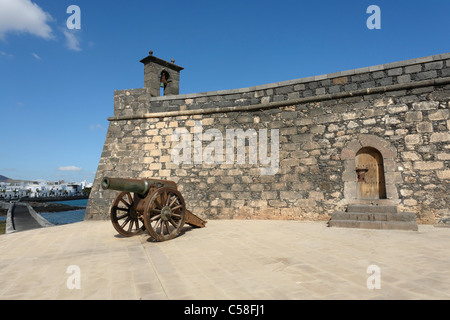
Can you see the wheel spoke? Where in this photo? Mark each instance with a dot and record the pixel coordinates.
(125, 203)
(173, 202)
(173, 222)
(130, 226)
(166, 202)
(166, 223)
(130, 198)
(161, 229)
(158, 222)
(125, 222)
(122, 216)
(155, 217)
(137, 224)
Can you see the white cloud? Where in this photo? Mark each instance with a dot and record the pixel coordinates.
(24, 16)
(69, 168)
(36, 56)
(5, 54)
(72, 39)
(97, 126)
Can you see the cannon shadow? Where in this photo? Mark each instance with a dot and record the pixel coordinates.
(186, 228)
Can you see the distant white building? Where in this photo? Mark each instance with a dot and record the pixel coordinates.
(41, 188)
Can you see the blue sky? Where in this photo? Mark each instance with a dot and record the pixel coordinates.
(57, 85)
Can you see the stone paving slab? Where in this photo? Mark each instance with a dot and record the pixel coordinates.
(229, 260)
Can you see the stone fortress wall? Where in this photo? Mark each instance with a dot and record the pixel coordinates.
(400, 109)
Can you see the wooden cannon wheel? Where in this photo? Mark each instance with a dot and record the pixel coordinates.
(165, 214)
(124, 217)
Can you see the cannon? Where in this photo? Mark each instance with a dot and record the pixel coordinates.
(149, 204)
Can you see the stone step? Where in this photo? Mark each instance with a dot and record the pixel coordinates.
(372, 208)
(373, 216)
(382, 225)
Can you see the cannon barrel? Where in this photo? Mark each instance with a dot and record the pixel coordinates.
(128, 185)
(139, 186)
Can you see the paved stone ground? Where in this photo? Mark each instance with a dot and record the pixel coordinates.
(275, 260)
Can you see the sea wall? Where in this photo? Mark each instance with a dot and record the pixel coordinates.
(314, 125)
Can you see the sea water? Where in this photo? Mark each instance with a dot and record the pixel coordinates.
(66, 217)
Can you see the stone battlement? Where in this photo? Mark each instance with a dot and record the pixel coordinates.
(136, 102)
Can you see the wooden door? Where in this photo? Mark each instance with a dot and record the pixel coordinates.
(370, 174)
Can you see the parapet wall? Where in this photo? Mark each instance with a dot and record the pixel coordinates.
(401, 109)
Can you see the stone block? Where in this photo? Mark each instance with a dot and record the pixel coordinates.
(423, 127)
(352, 125)
(446, 72)
(369, 122)
(290, 195)
(413, 69)
(378, 74)
(426, 75)
(442, 114)
(428, 165)
(440, 137)
(315, 195)
(300, 138)
(350, 115)
(434, 65)
(411, 156)
(413, 139)
(397, 108)
(320, 91)
(443, 156)
(318, 129)
(395, 72)
(425, 105)
(383, 102)
(341, 80)
(385, 81)
(443, 175)
(414, 116)
(269, 195)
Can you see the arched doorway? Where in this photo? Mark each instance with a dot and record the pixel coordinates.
(370, 174)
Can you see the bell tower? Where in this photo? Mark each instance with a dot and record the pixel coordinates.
(160, 76)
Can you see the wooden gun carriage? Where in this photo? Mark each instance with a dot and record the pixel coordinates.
(149, 204)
